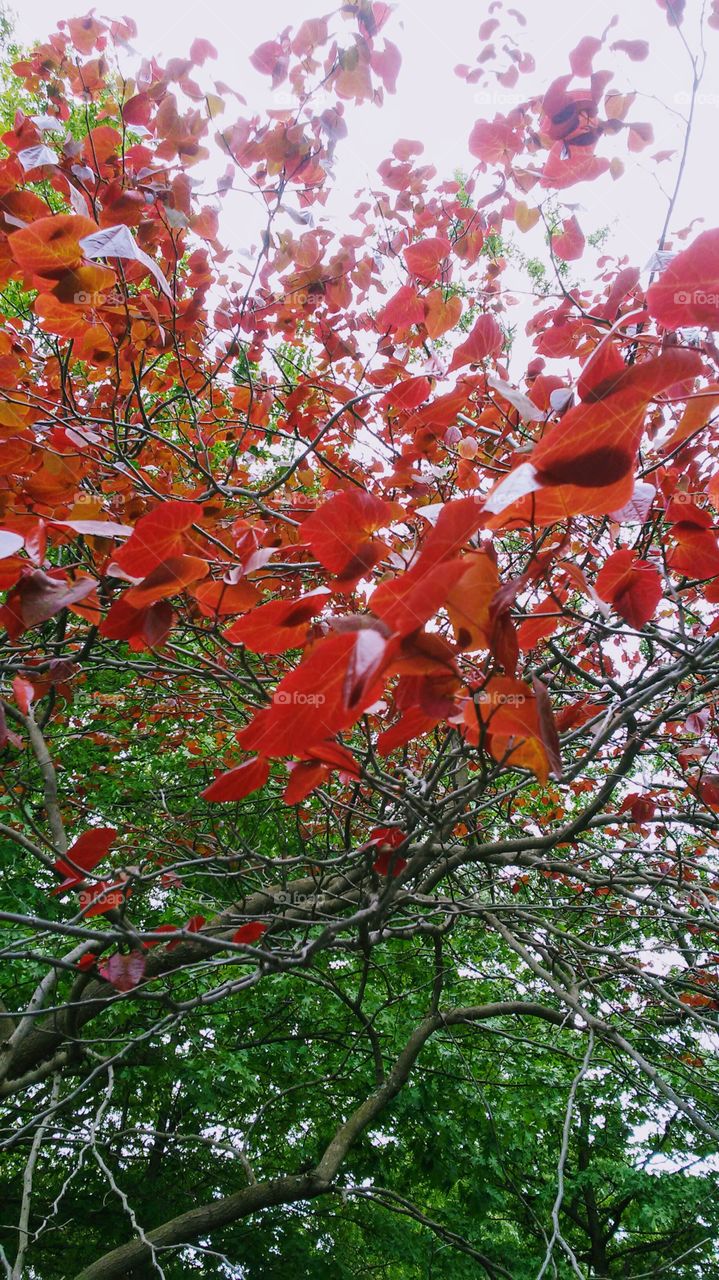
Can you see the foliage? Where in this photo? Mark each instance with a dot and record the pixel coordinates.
(359, 697)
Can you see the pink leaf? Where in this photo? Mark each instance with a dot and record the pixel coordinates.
(124, 972)
(24, 694)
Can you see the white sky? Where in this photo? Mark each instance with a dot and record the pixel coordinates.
(435, 106)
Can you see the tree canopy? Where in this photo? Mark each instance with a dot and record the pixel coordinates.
(358, 672)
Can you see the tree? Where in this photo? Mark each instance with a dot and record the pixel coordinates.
(359, 697)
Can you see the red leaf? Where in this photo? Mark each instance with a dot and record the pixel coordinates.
(687, 291)
(6, 735)
(340, 534)
(160, 928)
(547, 727)
(278, 625)
(83, 855)
(569, 244)
(485, 339)
(366, 658)
(335, 756)
(632, 586)
(91, 846)
(388, 863)
(250, 932)
(413, 724)
(696, 554)
(455, 524)
(143, 628)
(270, 59)
(674, 9)
(200, 50)
(166, 579)
(102, 897)
(403, 309)
(602, 373)
(137, 110)
(567, 165)
(239, 782)
(581, 58)
(386, 837)
(158, 536)
(326, 693)
(406, 395)
(194, 925)
(386, 840)
(424, 257)
(39, 597)
(708, 788)
(219, 599)
(586, 460)
(304, 777)
(387, 63)
(493, 141)
(312, 32)
(408, 601)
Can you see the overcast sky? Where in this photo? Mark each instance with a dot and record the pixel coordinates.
(434, 105)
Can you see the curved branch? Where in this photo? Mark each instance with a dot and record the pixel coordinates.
(320, 1180)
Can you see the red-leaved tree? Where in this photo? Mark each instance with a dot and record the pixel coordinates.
(360, 633)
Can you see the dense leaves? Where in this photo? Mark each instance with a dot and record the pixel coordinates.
(359, 671)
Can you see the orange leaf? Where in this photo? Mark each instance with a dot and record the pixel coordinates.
(441, 314)
(508, 712)
(220, 599)
(468, 603)
(51, 246)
